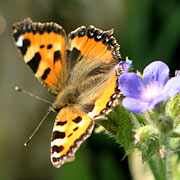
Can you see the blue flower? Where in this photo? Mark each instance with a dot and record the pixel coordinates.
(144, 94)
(126, 64)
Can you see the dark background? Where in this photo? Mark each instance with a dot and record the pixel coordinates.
(147, 30)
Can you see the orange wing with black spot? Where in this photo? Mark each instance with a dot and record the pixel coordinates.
(43, 46)
(81, 71)
(97, 58)
(110, 92)
(71, 128)
(93, 55)
(94, 44)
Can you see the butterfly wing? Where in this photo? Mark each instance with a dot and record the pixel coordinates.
(106, 97)
(96, 54)
(93, 42)
(93, 79)
(43, 47)
(92, 53)
(88, 65)
(71, 128)
(74, 125)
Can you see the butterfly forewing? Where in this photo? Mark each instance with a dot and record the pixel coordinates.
(43, 48)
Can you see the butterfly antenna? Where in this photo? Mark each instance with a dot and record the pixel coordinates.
(32, 95)
(29, 139)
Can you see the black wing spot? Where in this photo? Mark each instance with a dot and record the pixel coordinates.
(57, 56)
(45, 74)
(61, 123)
(42, 46)
(55, 159)
(98, 37)
(106, 40)
(82, 33)
(70, 135)
(75, 129)
(109, 104)
(103, 111)
(57, 149)
(72, 56)
(90, 33)
(77, 120)
(72, 36)
(117, 89)
(58, 135)
(49, 46)
(34, 62)
(113, 96)
(25, 45)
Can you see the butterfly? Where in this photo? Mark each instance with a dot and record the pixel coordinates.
(80, 69)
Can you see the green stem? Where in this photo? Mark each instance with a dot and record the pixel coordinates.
(168, 166)
(161, 167)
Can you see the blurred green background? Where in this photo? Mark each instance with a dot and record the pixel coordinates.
(146, 30)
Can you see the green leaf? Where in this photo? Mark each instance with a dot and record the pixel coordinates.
(125, 135)
(173, 108)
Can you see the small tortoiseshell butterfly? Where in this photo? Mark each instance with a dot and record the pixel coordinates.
(80, 70)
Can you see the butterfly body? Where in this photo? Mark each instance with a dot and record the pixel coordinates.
(80, 70)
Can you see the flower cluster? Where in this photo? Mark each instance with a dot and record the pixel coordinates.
(148, 116)
(144, 93)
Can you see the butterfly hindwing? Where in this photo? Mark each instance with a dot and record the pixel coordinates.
(110, 93)
(43, 46)
(71, 128)
(92, 86)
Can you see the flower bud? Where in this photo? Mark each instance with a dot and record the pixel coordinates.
(146, 138)
(144, 133)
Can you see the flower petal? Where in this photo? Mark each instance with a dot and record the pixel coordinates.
(126, 65)
(172, 87)
(135, 105)
(156, 71)
(131, 85)
(157, 101)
